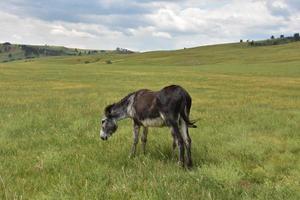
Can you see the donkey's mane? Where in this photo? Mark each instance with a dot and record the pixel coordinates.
(107, 110)
(123, 101)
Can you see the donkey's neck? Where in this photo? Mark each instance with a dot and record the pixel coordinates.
(119, 112)
(123, 109)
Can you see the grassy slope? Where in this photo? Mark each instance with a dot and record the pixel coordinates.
(247, 145)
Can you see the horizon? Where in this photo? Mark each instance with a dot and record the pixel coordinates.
(149, 25)
(50, 45)
(154, 50)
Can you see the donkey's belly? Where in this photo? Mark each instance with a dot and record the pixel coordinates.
(153, 122)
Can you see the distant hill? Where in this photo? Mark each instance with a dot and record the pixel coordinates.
(232, 54)
(10, 52)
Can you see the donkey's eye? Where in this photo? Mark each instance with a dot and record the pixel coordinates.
(103, 120)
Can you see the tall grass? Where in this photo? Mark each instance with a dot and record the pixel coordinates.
(247, 144)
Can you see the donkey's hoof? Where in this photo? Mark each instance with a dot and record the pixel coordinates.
(131, 156)
(180, 164)
(189, 165)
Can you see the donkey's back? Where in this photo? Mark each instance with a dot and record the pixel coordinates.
(175, 102)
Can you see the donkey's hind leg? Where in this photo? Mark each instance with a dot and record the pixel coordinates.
(174, 141)
(144, 139)
(187, 141)
(136, 132)
(175, 130)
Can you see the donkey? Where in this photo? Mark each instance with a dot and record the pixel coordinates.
(168, 107)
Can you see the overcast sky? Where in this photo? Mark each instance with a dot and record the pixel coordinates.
(145, 24)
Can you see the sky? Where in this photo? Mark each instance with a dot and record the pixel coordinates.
(144, 25)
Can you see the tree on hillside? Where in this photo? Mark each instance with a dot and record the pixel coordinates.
(108, 62)
(6, 47)
(30, 51)
(123, 50)
(297, 36)
(272, 37)
(281, 36)
(9, 55)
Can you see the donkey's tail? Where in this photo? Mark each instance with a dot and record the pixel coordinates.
(190, 123)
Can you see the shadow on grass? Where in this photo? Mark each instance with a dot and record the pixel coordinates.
(166, 154)
(156, 153)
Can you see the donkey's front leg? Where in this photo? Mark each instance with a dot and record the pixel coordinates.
(144, 139)
(174, 144)
(136, 131)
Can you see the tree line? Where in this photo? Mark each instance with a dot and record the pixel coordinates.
(274, 41)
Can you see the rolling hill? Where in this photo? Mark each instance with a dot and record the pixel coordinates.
(236, 53)
(11, 52)
(231, 58)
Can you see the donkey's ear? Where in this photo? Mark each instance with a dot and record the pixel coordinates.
(107, 110)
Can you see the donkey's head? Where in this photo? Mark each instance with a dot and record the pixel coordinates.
(108, 123)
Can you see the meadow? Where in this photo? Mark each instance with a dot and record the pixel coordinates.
(246, 146)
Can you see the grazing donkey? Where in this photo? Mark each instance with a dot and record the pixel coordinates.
(168, 107)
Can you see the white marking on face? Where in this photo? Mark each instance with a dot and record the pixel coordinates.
(102, 122)
(154, 122)
(102, 134)
(130, 109)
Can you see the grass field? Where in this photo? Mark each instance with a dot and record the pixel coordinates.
(246, 146)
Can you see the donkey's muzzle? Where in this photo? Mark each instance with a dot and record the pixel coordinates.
(103, 137)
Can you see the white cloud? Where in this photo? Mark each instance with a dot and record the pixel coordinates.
(34, 31)
(63, 31)
(279, 8)
(148, 32)
(157, 25)
(240, 19)
(162, 34)
(80, 35)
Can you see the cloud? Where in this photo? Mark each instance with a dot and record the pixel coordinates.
(279, 8)
(162, 34)
(80, 35)
(145, 24)
(222, 22)
(35, 31)
(72, 10)
(60, 30)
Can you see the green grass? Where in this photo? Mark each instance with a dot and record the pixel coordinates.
(246, 146)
